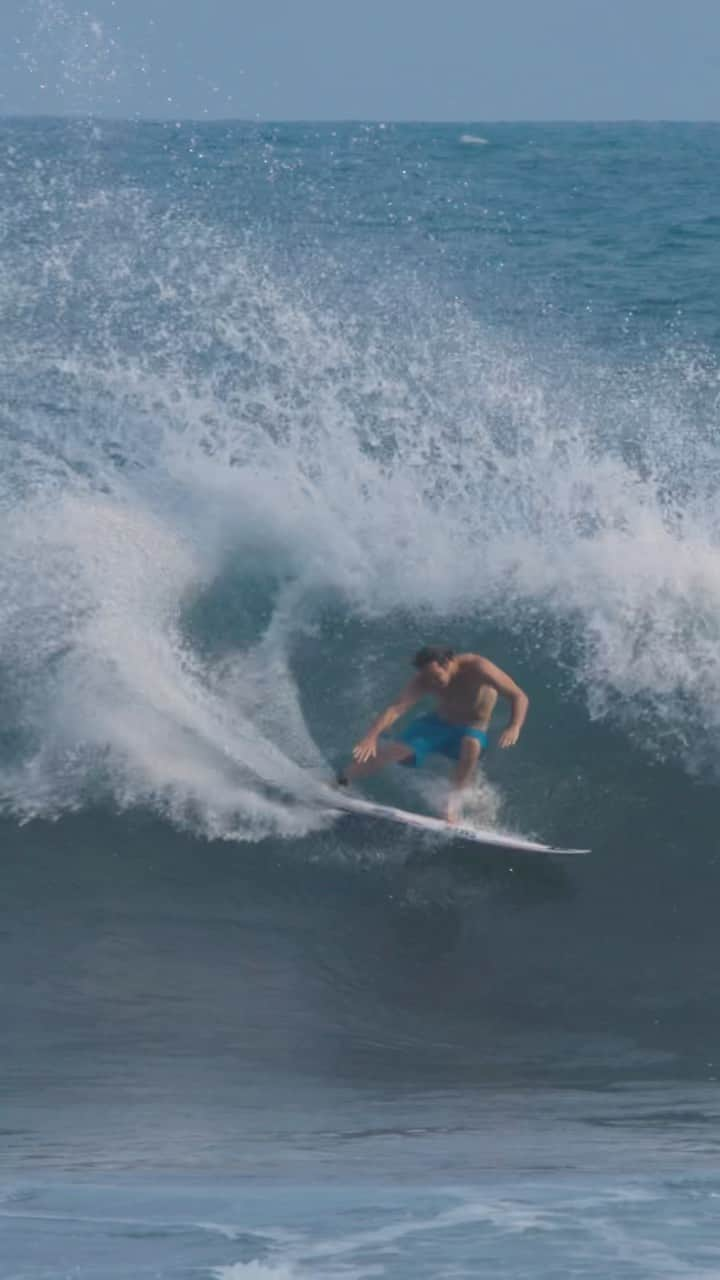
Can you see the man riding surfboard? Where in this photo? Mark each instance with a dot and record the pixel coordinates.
(466, 688)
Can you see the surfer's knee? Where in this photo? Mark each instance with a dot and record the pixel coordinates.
(471, 748)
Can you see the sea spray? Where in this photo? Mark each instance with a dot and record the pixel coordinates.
(194, 411)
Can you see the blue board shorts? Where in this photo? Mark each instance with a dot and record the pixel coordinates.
(428, 735)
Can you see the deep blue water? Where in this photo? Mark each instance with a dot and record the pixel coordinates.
(278, 404)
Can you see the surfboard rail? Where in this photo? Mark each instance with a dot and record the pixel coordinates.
(348, 804)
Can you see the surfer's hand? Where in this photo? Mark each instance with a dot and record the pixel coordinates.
(509, 737)
(366, 749)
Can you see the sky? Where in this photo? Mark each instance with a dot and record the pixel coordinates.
(459, 60)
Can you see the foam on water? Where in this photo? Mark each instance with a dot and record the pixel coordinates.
(192, 405)
(530, 1231)
(503, 1226)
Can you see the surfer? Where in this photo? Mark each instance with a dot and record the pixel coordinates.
(466, 688)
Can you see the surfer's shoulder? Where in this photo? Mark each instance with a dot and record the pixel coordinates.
(474, 667)
(472, 661)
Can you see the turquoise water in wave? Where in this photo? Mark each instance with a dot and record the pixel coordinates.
(278, 404)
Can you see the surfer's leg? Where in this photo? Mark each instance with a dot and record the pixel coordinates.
(387, 753)
(468, 757)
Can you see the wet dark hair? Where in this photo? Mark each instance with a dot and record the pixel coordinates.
(433, 653)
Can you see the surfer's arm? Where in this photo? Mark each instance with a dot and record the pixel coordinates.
(366, 748)
(508, 689)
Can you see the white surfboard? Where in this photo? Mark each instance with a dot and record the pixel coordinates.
(478, 835)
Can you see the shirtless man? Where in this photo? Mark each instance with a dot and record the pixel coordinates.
(466, 688)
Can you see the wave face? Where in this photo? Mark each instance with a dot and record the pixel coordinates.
(279, 405)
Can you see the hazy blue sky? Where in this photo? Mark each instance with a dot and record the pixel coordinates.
(465, 60)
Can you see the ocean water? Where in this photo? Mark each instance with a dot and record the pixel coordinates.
(278, 404)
